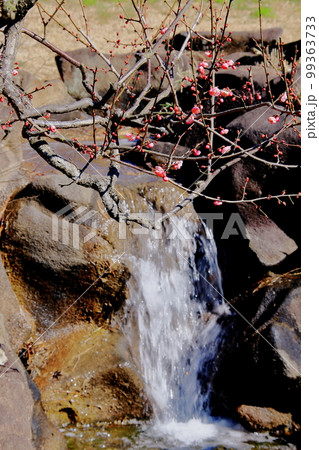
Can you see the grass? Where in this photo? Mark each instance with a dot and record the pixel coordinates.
(266, 11)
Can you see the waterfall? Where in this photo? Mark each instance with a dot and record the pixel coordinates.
(171, 319)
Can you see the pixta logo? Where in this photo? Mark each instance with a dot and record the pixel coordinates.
(66, 225)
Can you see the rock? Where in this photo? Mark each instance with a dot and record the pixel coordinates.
(291, 50)
(49, 259)
(257, 419)
(283, 330)
(12, 178)
(241, 40)
(271, 234)
(266, 240)
(259, 356)
(84, 376)
(53, 95)
(26, 428)
(48, 92)
(235, 79)
(268, 179)
(246, 58)
(73, 79)
(79, 358)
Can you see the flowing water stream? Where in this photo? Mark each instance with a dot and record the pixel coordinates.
(169, 327)
(171, 322)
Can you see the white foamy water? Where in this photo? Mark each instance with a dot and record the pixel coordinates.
(172, 329)
(175, 301)
(195, 434)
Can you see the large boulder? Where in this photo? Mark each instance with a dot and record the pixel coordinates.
(66, 262)
(271, 228)
(105, 76)
(84, 376)
(27, 428)
(240, 40)
(260, 355)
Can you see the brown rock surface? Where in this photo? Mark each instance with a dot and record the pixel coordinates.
(255, 418)
(84, 376)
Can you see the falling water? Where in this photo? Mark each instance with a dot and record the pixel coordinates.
(172, 327)
(172, 321)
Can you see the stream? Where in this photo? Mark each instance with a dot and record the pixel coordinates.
(171, 323)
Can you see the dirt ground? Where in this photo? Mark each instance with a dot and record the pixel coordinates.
(106, 26)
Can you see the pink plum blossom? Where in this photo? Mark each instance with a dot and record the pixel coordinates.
(177, 165)
(196, 109)
(190, 119)
(226, 92)
(214, 91)
(160, 172)
(273, 119)
(224, 150)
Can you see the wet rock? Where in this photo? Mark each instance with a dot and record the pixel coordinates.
(257, 419)
(84, 376)
(260, 354)
(68, 270)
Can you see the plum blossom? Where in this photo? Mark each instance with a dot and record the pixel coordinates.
(52, 128)
(177, 165)
(214, 91)
(190, 119)
(160, 172)
(283, 97)
(224, 131)
(225, 149)
(130, 137)
(203, 64)
(273, 119)
(196, 109)
(228, 63)
(226, 92)
(218, 202)
(196, 152)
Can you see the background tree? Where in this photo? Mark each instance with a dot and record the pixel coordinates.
(166, 90)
